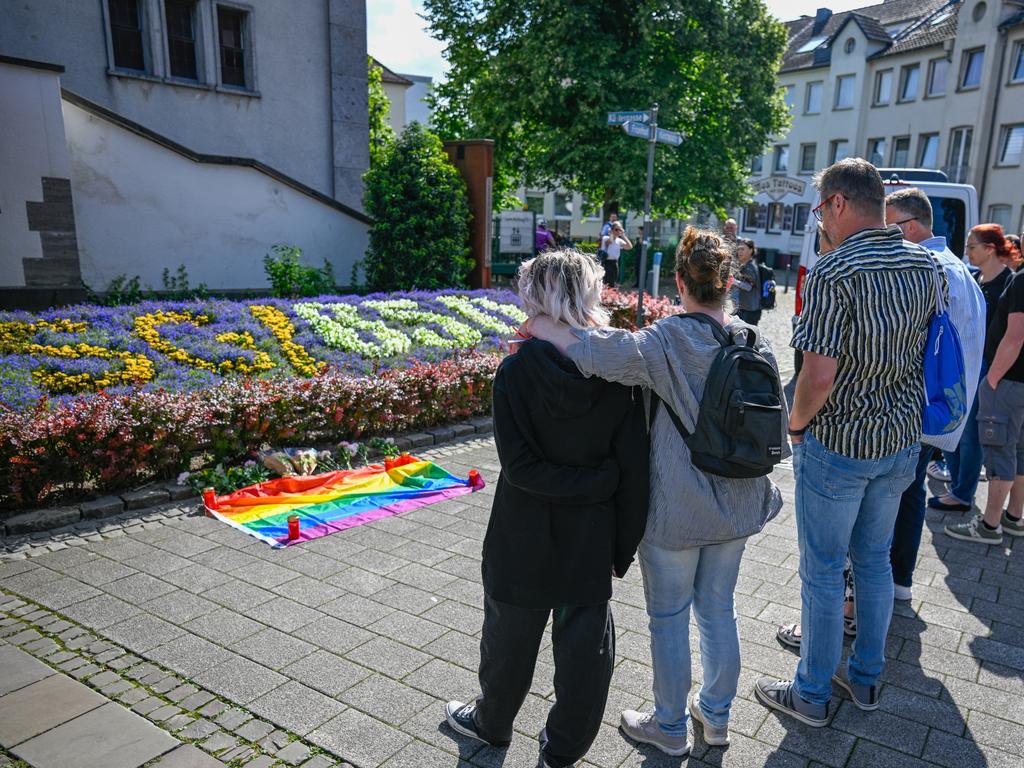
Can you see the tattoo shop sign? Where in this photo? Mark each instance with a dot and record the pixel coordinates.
(777, 187)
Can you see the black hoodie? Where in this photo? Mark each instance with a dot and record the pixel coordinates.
(571, 500)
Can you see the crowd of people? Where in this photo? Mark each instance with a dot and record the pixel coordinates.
(578, 496)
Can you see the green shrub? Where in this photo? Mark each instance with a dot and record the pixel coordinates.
(419, 238)
(290, 278)
(176, 287)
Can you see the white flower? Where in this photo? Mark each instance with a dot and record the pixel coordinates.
(183, 478)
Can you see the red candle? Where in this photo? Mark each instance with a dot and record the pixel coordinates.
(210, 498)
(474, 478)
(293, 527)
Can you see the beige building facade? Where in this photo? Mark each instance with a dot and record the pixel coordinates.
(934, 84)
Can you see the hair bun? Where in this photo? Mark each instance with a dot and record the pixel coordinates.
(704, 256)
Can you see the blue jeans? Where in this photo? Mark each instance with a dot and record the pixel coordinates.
(965, 462)
(705, 577)
(906, 535)
(845, 505)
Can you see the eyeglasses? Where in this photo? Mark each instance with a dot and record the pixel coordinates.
(817, 211)
(904, 221)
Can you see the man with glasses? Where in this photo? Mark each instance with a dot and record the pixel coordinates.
(855, 426)
(911, 211)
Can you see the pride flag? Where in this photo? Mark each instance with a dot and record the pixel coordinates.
(335, 501)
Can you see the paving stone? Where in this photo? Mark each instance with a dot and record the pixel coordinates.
(87, 670)
(386, 700)
(223, 626)
(112, 690)
(196, 700)
(240, 680)
(189, 655)
(294, 753)
(254, 730)
(238, 595)
(44, 704)
(263, 761)
(200, 729)
(164, 713)
(18, 669)
(212, 709)
(273, 649)
(233, 719)
(275, 741)
(326, 672)
(284, 614)
(361, 739)
(187, 756)
(147, 705)
(296, 707)
(219, 742)
(132, 696)
(106, 736)
(180, 492)
(143, 632)
(388, 657)
(145, 498)
(181, 692)
(319, 761)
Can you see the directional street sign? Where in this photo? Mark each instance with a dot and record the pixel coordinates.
(639, 130)
(618, 118)
(668, 137)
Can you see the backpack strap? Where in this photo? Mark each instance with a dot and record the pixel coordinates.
(655, 402)
(722, 336)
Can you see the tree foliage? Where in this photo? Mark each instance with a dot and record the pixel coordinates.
(381, 133)
(539, 76)
(417, 199)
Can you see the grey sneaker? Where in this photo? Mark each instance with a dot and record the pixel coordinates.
(901, 593)
(864, 696)
(1011, 526)
(715, 735)
(975, 531)
(462, 719)
(779, 694)
(642, 727)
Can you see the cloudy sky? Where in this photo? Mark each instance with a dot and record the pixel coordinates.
(396, 35)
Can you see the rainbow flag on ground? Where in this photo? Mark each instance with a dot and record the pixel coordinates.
(335, 501)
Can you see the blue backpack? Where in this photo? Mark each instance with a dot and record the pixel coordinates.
(945, 376)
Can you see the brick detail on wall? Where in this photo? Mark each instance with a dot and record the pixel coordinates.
(54, 220)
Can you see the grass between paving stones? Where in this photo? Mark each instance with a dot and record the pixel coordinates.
(146, 688)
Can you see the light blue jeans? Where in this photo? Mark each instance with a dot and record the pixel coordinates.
(673, 580)
(845, 505)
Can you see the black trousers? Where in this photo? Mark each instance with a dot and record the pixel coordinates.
(611, 271)
(750, 316)
(583, 640)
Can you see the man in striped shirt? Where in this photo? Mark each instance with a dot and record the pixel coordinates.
(855, 427)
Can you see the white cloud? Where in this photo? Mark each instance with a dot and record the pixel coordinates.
(397, 37)
(786, 10)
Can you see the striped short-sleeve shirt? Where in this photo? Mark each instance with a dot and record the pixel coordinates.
(868, 304)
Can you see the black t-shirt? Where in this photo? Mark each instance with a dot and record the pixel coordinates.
(1011, 301)
(992, 290)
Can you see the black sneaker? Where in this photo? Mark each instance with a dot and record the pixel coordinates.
(461, 718)
(779, 695)
(865, 697)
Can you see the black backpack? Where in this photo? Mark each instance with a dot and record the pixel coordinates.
(767, 276)
(739, 426)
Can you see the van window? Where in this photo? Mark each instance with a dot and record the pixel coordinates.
(949, 220)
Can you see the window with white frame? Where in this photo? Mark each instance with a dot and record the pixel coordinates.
(1000, 214)
(535, 202)
(910, 76)
(1017, 63)
(844, 92)
(812, 99)
(937, 69)
(757, 164)
(781, 160)
(128, 34)
(789, 96)
(234, 46)
(181, 28)
(901, 152)
(957, 167)
(970, 71)
(883, 88)
(928, 150)
(838, 150)
(808, 158)
(1011, 144)
(563, 205)
(801, 212)
(876, 151)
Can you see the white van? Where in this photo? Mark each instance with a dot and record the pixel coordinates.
(954, 213)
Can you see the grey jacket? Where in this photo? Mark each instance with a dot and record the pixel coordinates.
(688, 508)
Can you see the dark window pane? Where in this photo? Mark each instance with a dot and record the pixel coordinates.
(126, 34)
(181, 38)
(230, 24)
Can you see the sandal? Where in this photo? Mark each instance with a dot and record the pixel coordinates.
(789, 635)
(849, 622)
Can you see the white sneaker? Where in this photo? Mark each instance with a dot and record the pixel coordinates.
(937, 470)
(899, 592)
(714, 735)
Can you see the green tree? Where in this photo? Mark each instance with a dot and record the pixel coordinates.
(539, 76)
(417, 199)
(381, 133)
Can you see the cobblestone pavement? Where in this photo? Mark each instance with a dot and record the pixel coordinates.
(344, 649)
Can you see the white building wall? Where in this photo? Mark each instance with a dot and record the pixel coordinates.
(32, 146)
(141, 207)
(416, 107)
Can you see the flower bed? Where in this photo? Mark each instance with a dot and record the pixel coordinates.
(187, 346)
(104, 398)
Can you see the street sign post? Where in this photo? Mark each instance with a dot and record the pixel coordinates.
(644, 125)
(636, 116)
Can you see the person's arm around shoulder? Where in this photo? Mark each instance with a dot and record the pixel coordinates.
(524, 467)
(625, 357)
(632, 454)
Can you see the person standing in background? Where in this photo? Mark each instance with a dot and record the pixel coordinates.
(612, 244)
(747, 284)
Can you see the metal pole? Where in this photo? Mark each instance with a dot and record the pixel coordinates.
(647, 217)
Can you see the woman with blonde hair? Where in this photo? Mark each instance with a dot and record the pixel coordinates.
(569, 510)
(698, 522)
